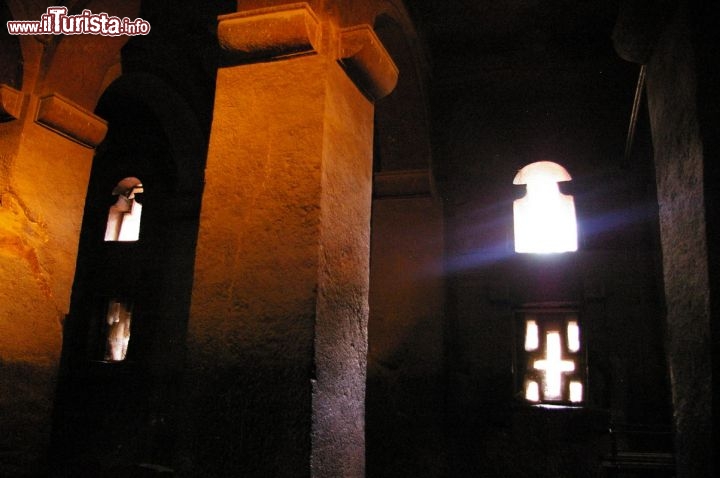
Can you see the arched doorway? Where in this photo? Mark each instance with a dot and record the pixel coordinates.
(124, 336)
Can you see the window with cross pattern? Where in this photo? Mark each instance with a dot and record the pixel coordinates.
(551, 363)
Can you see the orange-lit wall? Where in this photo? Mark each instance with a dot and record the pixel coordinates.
(47, 142)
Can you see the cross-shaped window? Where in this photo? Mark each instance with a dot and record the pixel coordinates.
(551, 356)
(553, 366)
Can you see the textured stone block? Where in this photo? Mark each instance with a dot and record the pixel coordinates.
(68, 119)
(10, 103)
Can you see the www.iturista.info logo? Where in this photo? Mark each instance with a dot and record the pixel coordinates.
(56, 21)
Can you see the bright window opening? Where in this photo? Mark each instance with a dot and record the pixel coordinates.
(532, 391)
(576, 392)
(573, 336)
(123, 222)
(544, 218)
(553, 367)
(117, 330)
(532, 340)
(551, 357)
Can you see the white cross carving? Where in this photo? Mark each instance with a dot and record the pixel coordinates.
(554, 366)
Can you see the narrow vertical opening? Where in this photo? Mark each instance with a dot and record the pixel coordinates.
(532, 391)
(576, 392)
(573, 336)
(532, 340)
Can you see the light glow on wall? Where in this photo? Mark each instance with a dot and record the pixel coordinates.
(544, 218)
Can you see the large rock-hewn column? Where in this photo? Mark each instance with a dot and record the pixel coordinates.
(669, 40)
(277, 339)
(46, 148)
(679, 157)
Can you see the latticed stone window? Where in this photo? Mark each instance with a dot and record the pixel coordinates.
(551, 364)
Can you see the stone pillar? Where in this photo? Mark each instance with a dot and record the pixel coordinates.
(679, 159)
(46, 149)
(277, 339)
(669, 40)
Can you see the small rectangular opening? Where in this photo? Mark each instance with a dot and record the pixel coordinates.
(532, 340)
(573, 336)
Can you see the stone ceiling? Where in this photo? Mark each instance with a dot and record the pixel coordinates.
(471, 37)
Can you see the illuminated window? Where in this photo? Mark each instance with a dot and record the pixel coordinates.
(551, 357)
(117, 330)
(544, 218)
(123, 222)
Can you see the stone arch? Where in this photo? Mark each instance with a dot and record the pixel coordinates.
(152, 135)
(401, 120)
(406, 288)
(179, 123)
(78, 66)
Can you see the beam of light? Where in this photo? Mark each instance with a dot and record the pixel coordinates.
(618, 219)
(477, 259)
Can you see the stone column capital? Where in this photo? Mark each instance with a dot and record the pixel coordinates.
(284, 31)
(70, 120)
(367, 63)
(269, 33)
